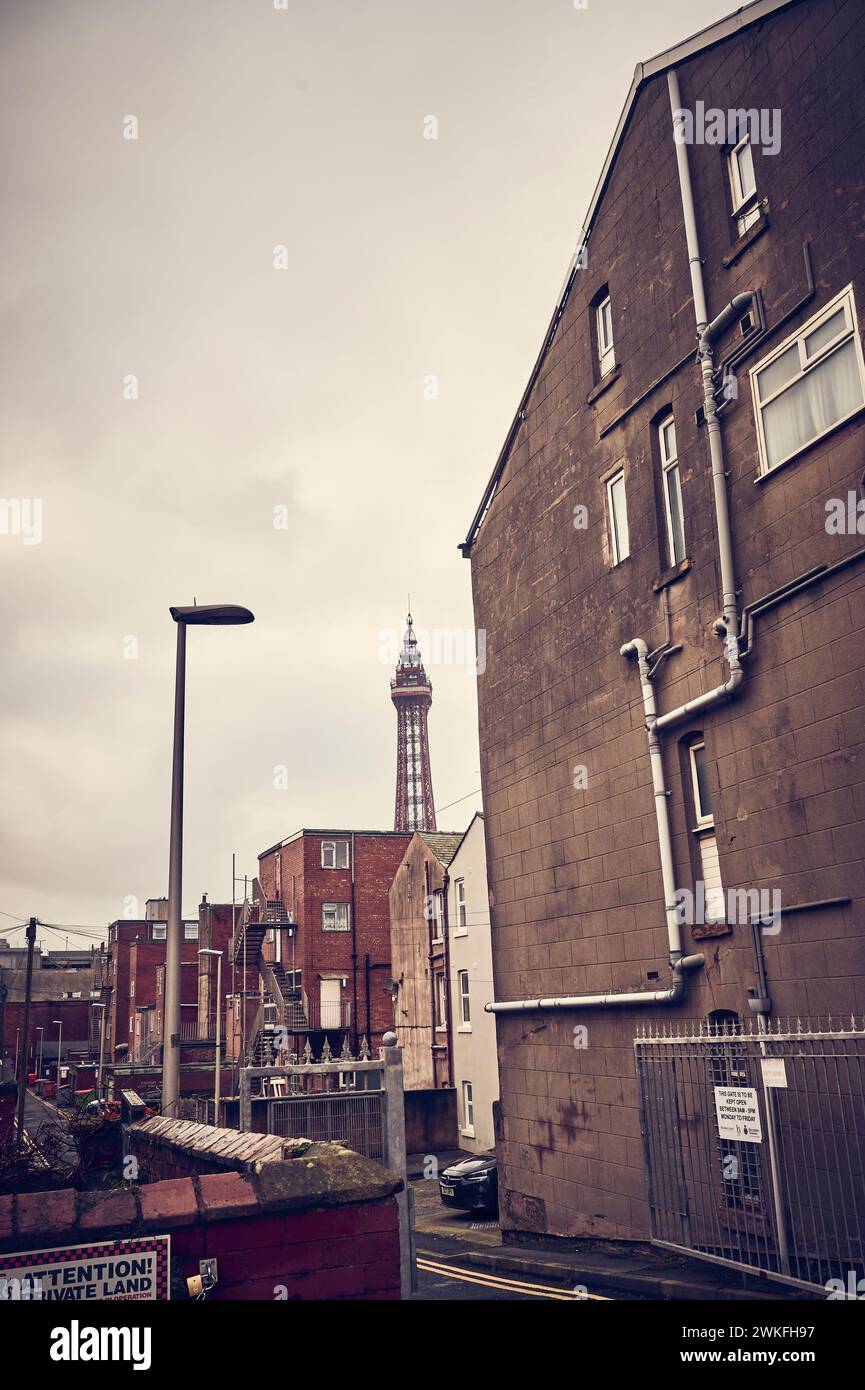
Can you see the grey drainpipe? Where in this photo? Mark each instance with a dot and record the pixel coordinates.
(602, 1001)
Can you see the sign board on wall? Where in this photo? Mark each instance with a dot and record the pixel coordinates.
(738, 1114)
(136, 1269)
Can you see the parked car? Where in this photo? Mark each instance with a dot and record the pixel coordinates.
(472, 1184)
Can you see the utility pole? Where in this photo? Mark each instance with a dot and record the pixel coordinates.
(25, 1048)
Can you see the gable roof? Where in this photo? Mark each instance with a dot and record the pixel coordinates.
(478, 815)
(444, 844)
(662, 62)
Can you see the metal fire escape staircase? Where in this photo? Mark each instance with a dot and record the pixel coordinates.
(284, 1010)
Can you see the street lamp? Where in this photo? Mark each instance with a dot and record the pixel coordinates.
(41, 1032)
(211, 615)
(58, 1022)
(217, 1070)
(101, 1007)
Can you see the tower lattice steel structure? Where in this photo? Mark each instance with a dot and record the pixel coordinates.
(411, 693)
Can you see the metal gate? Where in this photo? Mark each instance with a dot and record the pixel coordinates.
(354, 1117)
(754, 1148)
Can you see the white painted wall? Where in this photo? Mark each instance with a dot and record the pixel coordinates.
(475, 1056)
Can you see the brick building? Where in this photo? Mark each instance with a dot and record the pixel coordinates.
(64, 985)
(134, 980)
(335, 961)
(611, 601)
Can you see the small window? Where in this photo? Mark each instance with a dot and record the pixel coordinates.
(160, 974)
(462, 910)
(334, 917)
(620, 544)
(810, 384)
(710, 865)
(438, 915)
(334, 854)
(468, 1108)
(190, 931)
(672, 487)
(743, 185)
(700, 783)
(441, 1001)
(604, 331)
(159, 931)
(465, 1007)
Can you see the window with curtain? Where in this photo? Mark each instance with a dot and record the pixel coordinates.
(810, 384)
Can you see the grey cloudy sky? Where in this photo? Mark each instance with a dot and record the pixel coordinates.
(259, 388)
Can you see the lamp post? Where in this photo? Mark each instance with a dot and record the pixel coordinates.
(101, 1008)
(217, 1070)
(212, 615)
(58, 1022)
(41, 1032)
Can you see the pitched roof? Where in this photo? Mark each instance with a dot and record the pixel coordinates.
(662, 62)
(443, 843)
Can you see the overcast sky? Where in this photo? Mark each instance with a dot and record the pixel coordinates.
(306, 388)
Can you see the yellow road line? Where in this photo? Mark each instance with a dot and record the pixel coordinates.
(488, 1283)
(502, 1281)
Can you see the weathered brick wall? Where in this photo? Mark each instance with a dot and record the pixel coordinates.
(321, 1227)
(575, 874)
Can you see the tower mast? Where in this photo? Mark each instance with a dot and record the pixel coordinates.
(411, 693)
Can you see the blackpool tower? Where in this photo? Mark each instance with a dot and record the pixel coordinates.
(411, 693)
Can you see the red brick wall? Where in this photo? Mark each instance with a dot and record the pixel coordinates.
(345, 1252)
(376, 860)
(575, 874)
(138, 957)
(75, 1014)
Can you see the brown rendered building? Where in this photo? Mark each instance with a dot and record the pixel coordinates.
(421, 968)
(762, 783)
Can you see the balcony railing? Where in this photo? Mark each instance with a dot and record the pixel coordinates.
(191, 1030)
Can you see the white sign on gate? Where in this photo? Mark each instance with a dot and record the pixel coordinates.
(774, 1072)
(738, 1114)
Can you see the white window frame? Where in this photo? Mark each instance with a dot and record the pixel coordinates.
(340, 912)
(705, 819)
(330, 850)
(190, 931)
(464, 995)
(619, 549)
(604, 331)
(462, 922)
(670, 477)
(438, 915)
(159, 931)
(441, 1002)
(707, 845)
(468, 1109)
(845, 300)
(741, 195)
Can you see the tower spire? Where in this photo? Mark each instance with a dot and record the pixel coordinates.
(411, 693)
